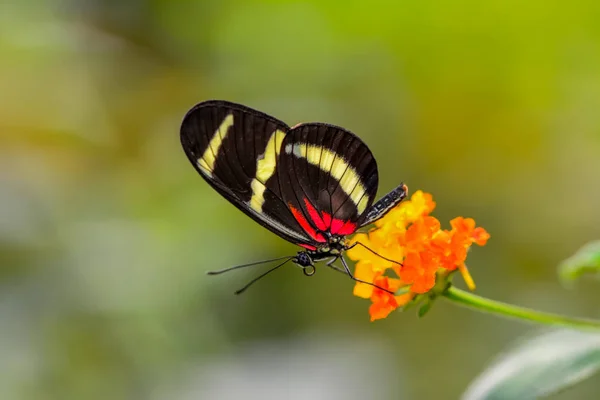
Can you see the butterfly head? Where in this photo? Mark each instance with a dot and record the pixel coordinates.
(305, 261)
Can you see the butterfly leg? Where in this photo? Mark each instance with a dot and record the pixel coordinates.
(372, 251)
(346, 271)
(334, 267)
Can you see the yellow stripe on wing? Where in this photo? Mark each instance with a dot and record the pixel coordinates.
(265, 168)
(206, 163)
(336, 165)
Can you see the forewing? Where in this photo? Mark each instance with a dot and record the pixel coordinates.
(235, 149)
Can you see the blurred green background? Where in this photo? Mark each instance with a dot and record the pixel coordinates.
(107, 231)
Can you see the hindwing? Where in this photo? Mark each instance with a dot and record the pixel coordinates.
(333, 178)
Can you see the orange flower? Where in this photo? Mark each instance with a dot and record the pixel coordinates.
(411, 236)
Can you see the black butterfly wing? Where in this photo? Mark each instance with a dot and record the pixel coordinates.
(330, 178)
(236, 150)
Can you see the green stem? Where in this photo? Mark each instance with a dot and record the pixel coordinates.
(508, 310)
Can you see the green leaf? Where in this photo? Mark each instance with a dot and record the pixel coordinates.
(424, 309)
(539, 366)
(585, 261)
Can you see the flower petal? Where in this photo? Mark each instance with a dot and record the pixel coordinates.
(480, 236)
(364, 272)
(413, 238)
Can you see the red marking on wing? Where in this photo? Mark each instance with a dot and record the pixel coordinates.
(323, 222)
(341, 227)
(336, 225)
(327, 219)
(315, 216)
(307, 246)
(347, 228)
(308, 228)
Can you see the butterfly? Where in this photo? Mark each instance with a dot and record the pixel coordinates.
(312, 184)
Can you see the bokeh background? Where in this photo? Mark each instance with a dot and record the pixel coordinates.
(107, 231)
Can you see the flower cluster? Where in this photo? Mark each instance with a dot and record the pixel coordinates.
(409, 235)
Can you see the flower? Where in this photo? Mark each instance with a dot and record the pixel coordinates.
(423, 251)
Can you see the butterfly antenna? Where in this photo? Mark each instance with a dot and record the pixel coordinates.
(242, 290)
(247, 265)
(374, 252)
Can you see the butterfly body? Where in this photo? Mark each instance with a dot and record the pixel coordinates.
(334, 247)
